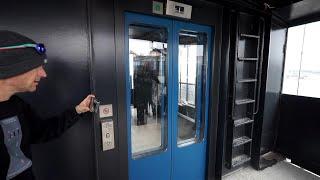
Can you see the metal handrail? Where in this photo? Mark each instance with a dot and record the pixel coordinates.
(257, 104)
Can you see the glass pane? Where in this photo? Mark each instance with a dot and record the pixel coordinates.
(191, 94)
(148, 75)
(183, 92)
(293, 58)
(192, 72)
(309, 81)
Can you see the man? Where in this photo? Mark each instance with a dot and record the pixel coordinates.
(21, 69)
(143, 79)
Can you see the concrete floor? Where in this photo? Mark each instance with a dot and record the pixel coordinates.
(282, 170)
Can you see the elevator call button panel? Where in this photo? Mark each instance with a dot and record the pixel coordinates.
(107, 134)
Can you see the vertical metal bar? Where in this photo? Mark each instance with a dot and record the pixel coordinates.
(187, 86)
(304, 33)
(235, 66)
(257, 103)
(91, 64)
(234, 35)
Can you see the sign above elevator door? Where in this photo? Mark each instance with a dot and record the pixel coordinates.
(178, 9)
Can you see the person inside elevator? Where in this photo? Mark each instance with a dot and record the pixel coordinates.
(21, 69)
(156, 91)
(143, 79)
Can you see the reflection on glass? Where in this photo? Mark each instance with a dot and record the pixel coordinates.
(192, 76)
(148, 67)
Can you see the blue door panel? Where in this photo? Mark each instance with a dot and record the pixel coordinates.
(155, 168)
(187, 166)
(175, 163)
(189, 161)
(151, 166)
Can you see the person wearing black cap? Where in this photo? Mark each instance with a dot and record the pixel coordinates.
(21, 69)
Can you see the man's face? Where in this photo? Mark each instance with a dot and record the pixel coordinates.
(28, 82)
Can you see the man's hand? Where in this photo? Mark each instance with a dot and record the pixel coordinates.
(84, 106)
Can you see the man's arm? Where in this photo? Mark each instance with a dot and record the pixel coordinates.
(43, 130)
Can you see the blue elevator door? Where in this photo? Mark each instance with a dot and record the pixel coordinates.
(168, 67)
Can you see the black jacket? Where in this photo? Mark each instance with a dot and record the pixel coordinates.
(33, 129)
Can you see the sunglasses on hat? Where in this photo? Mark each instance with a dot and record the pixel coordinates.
(38, 47)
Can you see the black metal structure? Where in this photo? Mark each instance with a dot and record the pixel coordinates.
(242, 74)
(271, 110)
(292, 120)
(298, 13)
(85, 42)
(245, 91)
(299, 131)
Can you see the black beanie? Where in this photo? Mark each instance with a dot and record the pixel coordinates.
(17, 61)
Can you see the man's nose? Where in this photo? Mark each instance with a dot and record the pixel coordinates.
(42, 72)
